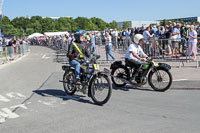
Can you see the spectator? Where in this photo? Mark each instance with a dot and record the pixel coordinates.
(184, 34)
(115, 38)
(142, 30)
(92, 44)
(192, 50)
(168, 32)
(148, 44)
(127, 37)
(11, 46)
(162, 28)
(108, 46)
(7, 41)
(1, 48)
(153, 30)
(175, 40)
(159, 32)
(146, 34)
(136, 30)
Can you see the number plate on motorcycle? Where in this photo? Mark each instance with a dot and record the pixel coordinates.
(83, 67)
(155, 64)
(96, 67)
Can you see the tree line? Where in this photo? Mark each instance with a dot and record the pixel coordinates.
(165, 22)
(24, 26)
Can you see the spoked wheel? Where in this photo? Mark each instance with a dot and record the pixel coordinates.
(101, 89)
(68, 85)
(160, 80)
(118, 74)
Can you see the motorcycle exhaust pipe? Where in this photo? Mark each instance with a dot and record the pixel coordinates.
(123, 80)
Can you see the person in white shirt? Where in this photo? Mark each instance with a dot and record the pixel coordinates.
(7, 41)
(108, 46)
(192, 50)
(135, 55)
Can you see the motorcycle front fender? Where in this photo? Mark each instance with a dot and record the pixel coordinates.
(164, 66)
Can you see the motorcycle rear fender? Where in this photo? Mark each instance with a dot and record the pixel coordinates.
(116, 64)
(66, 68)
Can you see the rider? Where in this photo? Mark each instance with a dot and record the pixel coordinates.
(135, 55)
(76, 51)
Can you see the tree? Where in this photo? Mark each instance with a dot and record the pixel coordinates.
(164, 22)
(5, 20)
(73, 24)
(20, 22)
(36, 18)
(85, 23)
(113, 25)
(126, 25)
(47, 25)
(5, 28)
(65, 24)
(29, 31)
(36, 26)
(100, 24)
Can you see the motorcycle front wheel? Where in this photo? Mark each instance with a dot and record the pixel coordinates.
(160, 80)
(101, 89)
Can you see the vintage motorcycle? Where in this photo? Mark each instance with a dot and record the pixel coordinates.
(94, 82)
(157, 74)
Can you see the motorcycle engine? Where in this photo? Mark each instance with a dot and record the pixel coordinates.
(141, 80)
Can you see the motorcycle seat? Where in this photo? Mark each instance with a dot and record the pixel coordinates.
(67, 67)
(128, 65)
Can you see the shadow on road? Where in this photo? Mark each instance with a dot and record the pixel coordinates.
(130, 87)
(189, 88)
(61, 94)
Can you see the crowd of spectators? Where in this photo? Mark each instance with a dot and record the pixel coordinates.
(12, 46)
(173, 39)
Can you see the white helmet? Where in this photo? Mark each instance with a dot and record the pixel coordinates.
(137, 38)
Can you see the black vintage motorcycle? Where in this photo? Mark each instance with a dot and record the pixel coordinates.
(94, 82)
(157, 74)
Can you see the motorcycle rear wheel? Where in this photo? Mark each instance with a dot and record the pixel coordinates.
(120, 72)
(68, 79)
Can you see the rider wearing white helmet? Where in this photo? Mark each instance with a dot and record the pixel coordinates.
(135, 55)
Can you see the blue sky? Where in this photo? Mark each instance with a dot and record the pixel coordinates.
(108, 10)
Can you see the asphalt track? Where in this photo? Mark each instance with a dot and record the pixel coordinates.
(32, 100)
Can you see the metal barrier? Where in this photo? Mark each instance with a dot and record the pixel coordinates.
(165, 50)
(158, 49)
(9, 53)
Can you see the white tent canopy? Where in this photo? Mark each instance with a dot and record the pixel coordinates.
(56, 33)
(35, 35)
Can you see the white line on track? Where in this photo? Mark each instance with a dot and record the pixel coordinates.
(176, 80)
(44, 57)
